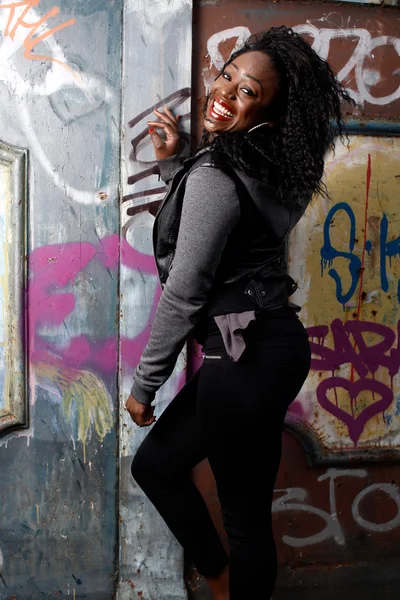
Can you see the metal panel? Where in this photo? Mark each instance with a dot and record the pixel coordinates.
(13, 368)
(156, 71)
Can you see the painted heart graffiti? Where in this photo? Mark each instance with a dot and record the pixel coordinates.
(355, 424)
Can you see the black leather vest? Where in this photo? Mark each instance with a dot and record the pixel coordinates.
(252, 273)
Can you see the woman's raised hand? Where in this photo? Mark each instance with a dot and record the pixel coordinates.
(164, 148)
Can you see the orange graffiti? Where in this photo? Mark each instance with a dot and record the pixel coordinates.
(30, 41)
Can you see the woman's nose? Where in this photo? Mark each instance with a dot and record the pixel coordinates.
(228, 93)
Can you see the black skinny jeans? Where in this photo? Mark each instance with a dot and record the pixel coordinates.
(231, 413)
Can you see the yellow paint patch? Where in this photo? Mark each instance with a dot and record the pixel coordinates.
(82, 391)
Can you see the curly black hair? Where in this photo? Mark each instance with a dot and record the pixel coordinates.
(291, 154)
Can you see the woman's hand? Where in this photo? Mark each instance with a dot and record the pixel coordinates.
(164, 148)
(141, 414)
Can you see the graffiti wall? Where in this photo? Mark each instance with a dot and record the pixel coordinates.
(348, 248)
(78, 291)
(59, 98)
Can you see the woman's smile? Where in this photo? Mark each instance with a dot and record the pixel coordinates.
(220, 110)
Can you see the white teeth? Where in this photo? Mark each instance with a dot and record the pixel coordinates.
(220, 110)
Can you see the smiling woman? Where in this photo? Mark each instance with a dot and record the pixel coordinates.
(241, 94)
(219, 243)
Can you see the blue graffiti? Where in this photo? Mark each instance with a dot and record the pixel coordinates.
(387, 251)
(329, 253)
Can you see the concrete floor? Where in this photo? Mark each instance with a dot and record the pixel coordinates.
(355, 582)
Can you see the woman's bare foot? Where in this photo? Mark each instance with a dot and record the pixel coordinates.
(219, 585)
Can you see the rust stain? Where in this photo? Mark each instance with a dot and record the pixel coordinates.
(130, 583)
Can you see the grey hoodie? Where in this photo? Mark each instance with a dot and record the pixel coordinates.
(210, 212)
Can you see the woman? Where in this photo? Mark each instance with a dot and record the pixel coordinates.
(219, 242)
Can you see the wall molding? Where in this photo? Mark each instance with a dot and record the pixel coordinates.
(14, 411)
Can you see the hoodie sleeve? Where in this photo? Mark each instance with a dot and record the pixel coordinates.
(169, 166)
(211, 210)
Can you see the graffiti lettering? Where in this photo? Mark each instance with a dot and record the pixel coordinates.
(387, 251)
(329, 253)
(322, 38)
(294, 500)
(142, 139)
(364, 49)
(32, 39)
(364, 360)
(356, 266)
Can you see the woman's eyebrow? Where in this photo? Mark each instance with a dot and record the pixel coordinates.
(249, 76)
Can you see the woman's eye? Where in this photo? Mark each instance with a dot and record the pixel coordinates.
(248, 92)
(226, 76)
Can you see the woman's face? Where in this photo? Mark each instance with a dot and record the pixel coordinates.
(240, 96)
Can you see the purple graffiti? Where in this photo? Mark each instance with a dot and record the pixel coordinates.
(350, 347)
(354, 423)
(142, 139)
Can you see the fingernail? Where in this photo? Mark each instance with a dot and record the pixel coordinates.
(151, 130)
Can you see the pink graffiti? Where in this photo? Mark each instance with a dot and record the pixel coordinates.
(54, 267)
(364, 359)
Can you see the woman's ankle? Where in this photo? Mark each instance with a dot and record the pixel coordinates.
(219, 585)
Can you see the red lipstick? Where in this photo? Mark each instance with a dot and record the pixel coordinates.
(221, 110)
